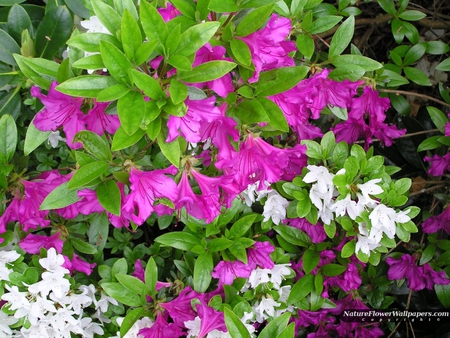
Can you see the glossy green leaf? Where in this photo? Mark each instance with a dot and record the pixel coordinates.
(88, 86)
(347, 72)
(116, 62)
(77, 6)
(324, 23)
(151, 275)
(171, 150)
(153, 24)
(122, 294)
(186, 7)
(107, 15)
(144, 51)
(60, 197)
(195, 37)
(438, 117)
(182, 63)
(429, 143)
(301, 289)
(443, 294)
(153, 129)
(87, 174)
(178, 91)
(332, 270)
(240, 227)
(279, 80)
(11, 102)
(133, 284)
(108, 194)
(34, 138)
(305, 44)
(288, 332)
(8, 47)
(41, 71)
(412, 15)
(83, 247)
(394, 79)
(444, 65)
(94, 145)
(207, 71)
(223, 6)
(388, 6)
(415, 53)
(275, 114)
(91, 62)
(342, 37)
(126, 5)
(122, 139)
(310, 260)
(292, 235)
(437, 47)
(53, 32)
(178, 240)
(130, 319)
(202, 272)
(18, 21)
(112, 93)
(254, 20)
(235, 327)
(277, 325)
(241, 52)
(348, 249)
(98, 230)
(131, 35)
(417, 76)
(147, 84)
(364, 62)
(256, 3)
(251, 111)
(8, 138)
(131, 110)
(91, 42)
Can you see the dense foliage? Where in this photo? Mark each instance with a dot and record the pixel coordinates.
(223, 168)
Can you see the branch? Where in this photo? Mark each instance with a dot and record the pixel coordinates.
(404, 92)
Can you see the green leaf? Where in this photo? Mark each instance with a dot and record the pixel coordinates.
(342, 37)
(171, 150)
(444, 65)
(279, 80)
(235, 327)
(331, 270)
(91, 42)
(429, 143)
(276, 326)
(292, 235)
(241, 52)
(53, 32)
(8, 138)
(131, 318)
(122, 139)
(18, 21)
(415, 53)
(394, 79)
(151, 275)
(153, 129)
(87, 174)
(219, 244)
(122, 294)
(147, 84)
(328, 142)
(60, 197)
(304, 203)
(112, 93)
(251, 111)
(98, 230)
(108, 194)
(40, 71)
(133, 284)
(34, 138)
(87, 86)
(239, 228)
(185, 7)
(179, 240)
(347, 72)
(305, 44)
(438, 117)
(388, 6)
(288, 332)
(223, 6)
(195, 37)
(78, 8)
(116, 62)
(324, 23)
(256, 3)
(107, 16)
(254, 20)
(275, 114)
(178, 91)
(301, 289)
(153, 24)
(417, 76)
(207, 71)
(126, 5)
(437, 47)
(94, 145)
(202, 272)
(8, 47)
(91, 62)
(358, 60)
(144, 52)
(443, 294)
(412, 15)
(131, 110)
(348, 249)
(131, 35)
(83, 247)
(310, 260)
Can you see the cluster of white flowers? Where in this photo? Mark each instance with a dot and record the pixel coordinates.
(275, 205)
(133, 332)
(50, 308)
(324, 195)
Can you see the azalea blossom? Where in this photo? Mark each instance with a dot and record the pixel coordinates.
(275, 207)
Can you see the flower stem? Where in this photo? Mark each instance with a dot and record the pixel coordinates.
(404, 92)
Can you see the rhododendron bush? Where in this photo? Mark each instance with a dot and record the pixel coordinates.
(221, 168)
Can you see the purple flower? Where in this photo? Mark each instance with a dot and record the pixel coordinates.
(210, 318)
(180, 309)
(347, 281)
(32, 244)
(438, 164)
(60, 110)
(297, 160)
(169, 12)
(146, 189)
(438, 223)
(222, 86)
(77, 264)
(140, 274)
(227, 271)
(447, 126)
(406, 267)
(269, 47)
(161, 329)
(98, 121)
(432, 277)
(259, 255)
(316, 232)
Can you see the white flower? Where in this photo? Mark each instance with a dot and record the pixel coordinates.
(321, 175)
(218, 334)
(193, 327)
(53, 262)
(365, 244)
(275, 207)
(17, 300)
(54, 138)
(253, 193)
(93, 25)
(137, 326)
(90, 328)
(259, 276)
(369, 188)
(284, 292)
(265, 308)
(5, 323)
(383, 218)
(7, 257)
(51, 281)
(39, 308)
